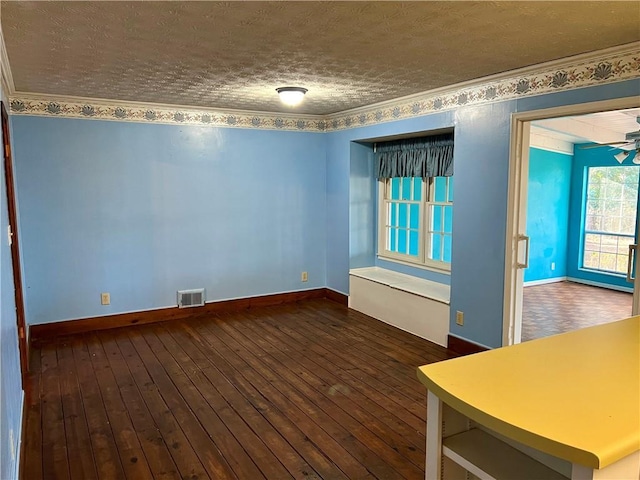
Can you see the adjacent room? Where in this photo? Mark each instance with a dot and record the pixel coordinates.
(581, 219)
(233, 231)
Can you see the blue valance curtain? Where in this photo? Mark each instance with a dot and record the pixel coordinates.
(415, 157)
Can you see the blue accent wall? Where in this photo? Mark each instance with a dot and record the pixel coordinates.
(548, 213)
(584, 158)
(141, 211)
(11, 383)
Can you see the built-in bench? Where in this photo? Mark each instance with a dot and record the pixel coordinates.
(412, 304)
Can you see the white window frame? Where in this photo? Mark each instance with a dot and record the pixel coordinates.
(424, 231)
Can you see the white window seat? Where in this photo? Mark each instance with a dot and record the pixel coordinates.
(412, 304)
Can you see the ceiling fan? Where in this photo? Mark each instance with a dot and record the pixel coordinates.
(630, 143)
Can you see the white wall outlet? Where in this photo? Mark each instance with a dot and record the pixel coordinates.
(553, 266)
(105, 298)
(460, 318)
(304, 276)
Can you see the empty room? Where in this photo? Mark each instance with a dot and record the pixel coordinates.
(289, 239)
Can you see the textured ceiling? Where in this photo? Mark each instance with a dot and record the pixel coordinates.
(233, 55)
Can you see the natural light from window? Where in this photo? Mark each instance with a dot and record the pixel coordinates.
(610, 218)
(416, 220)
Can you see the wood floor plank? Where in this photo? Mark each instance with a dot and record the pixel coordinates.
(32, 446)
(153, 438)
(410, 411)
(341, 427)
(132, 456)
(301, 415)
(54, 446)
(103, 444)
(190, 359)
(193, 411)
(351, 396)
(186, 438)
(265, 460)
(214, 365)
(309, 390)
(81, 461)
(387, 461)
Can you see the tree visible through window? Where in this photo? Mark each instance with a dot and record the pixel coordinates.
(610, 217)
(416, 220)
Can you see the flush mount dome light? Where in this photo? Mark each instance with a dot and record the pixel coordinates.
(291, 96)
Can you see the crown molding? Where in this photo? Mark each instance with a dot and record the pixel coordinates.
(7, 78)
(595, 68)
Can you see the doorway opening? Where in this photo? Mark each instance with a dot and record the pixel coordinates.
(573, 210)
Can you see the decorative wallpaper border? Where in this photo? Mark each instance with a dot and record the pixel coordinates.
(613, 65)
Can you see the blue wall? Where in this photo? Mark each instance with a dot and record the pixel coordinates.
(141, 211)
(11, 383)
(584, 158)
(107, 206)
(548, 213)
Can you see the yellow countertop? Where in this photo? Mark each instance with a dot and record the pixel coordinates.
(574, 395)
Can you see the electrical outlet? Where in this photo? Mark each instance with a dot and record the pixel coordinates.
(105, 298)
(304, 276)
(460, 318)
(553, 266)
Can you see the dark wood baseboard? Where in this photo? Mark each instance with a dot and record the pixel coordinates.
(69, 327)
(464, 347)
(338, 297)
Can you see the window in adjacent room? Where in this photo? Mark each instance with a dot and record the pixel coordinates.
(415, 201)
(610, 218)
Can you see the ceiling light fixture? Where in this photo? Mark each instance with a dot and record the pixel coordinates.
(291, 96)
(621, 157)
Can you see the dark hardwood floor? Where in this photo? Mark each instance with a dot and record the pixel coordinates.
(565, 306)
(306, 390)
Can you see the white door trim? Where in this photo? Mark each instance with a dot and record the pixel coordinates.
(517, 201)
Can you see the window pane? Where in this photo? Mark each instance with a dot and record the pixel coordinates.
(393, 214)
(621, 266)
(611, 224)
(450, 198)
(403, 220)
(436, 218)
(395, 189)
(417, 188)
(440, 189)
(393, 237)
(591, 260)
(447, 249)
(402, 241)
(413, 242)
(406, 188)
(592, 242)
(448, 218)
(436, 243)
(611, 208)
(414, 220)
(594, 222)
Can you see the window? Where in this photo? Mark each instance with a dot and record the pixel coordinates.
(610, 218)
(415, 220)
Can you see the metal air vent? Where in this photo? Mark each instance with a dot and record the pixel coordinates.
(191, 298)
